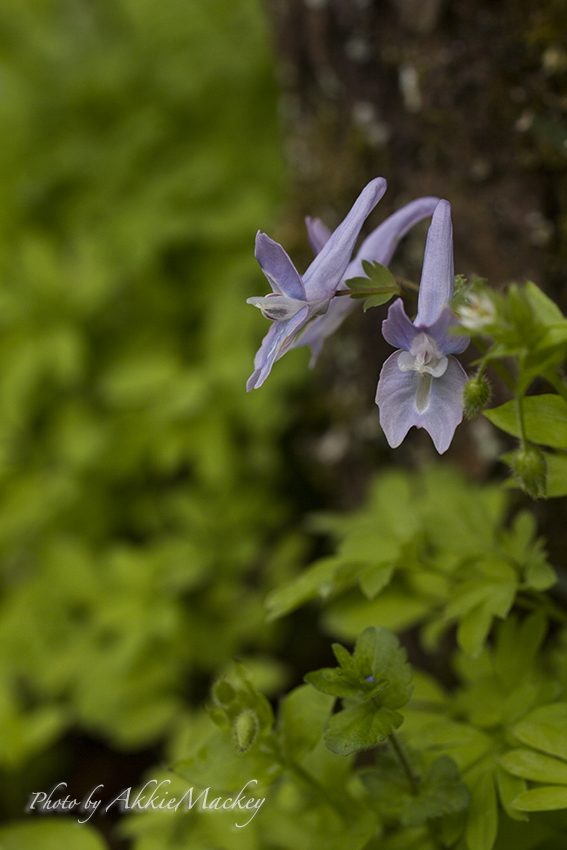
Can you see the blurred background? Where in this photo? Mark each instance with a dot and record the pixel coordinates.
(147, 503)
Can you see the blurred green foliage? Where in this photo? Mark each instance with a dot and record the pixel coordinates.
(138, 482)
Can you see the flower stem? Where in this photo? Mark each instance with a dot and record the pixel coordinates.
(407, 284)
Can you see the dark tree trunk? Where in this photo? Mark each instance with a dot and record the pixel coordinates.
(463, 99)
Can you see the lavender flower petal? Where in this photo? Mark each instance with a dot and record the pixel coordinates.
(397, 328)
(294, 301)
(318, 233)
(445, 409)
(379, 247)
(327, 269)
(436, 288)
(395, 397)
(274, 345)
(448, 343)
(278, 268)
(423, 384)
(409, 398)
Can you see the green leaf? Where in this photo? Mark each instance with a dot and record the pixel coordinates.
(509, 787)
(556, 474)
(379, 274)
(545, 309)
(356, 283)
(543, 736)
(344, 657)
(528, 764)
(482, 822)
(441, 792)
(476, 622)
(544, 799)
(440, 789)
(360, 728)
(377, 300)
(378, 653)
(517, 645)
(50, 834)
(395, 609)
(218, 763)
(545, 419)
(303, 717)
(554, 713)
(374, 578)
(319, 580)
(473, 629)
(333, 682)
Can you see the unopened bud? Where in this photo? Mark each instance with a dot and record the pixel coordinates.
(245, 729)
(530, 468)
(476, 395)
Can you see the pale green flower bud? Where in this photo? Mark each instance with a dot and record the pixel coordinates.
(245, 729)
(476, 396)
(530, 468)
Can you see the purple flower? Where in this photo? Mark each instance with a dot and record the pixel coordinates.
(378, 247)
(295, 300)
(421, 384)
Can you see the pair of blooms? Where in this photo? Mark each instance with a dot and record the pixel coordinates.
(421, 383)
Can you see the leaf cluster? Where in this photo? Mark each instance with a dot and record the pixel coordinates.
(373, 683)
(427, 549)
(523, 335)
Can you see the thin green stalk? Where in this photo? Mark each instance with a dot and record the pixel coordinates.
(406, 766)
(498, 367)
(407, 284)
(309, 781)
(377, 291)
(519, 405)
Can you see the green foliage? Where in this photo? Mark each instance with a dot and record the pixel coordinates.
(429, 549)
(545, 418)
(136, 489)
(50, 834)
(544, 760)
(374, 682)
(307, 789)
(440, 790)
(528, 327)
(379, 281)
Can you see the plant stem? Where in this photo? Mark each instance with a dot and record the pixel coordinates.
(519, 405)
(306, 779)
(406, 766)
(407, 284)
(377, 291)
(498, 367)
